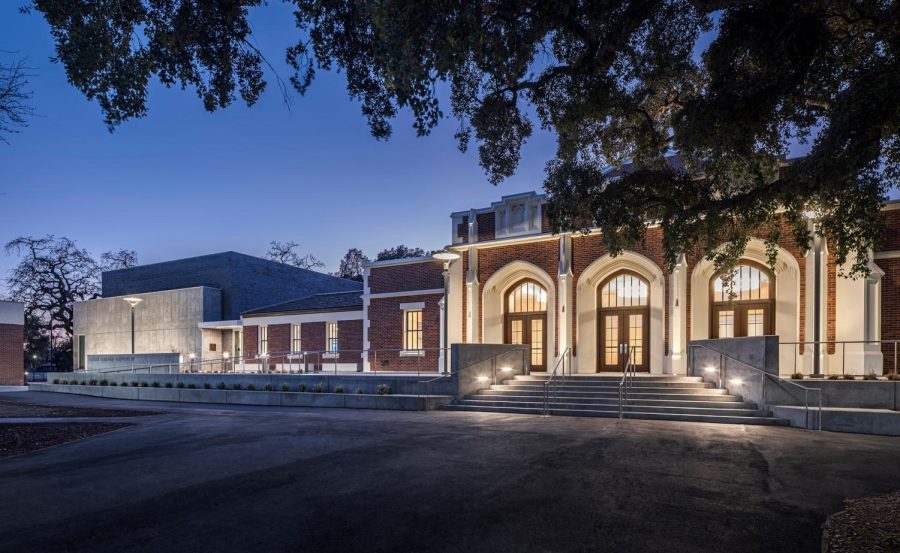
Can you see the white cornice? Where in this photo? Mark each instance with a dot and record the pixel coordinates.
(890, 254)
(404, 261)
(403, 293)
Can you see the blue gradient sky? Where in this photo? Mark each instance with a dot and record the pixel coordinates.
(184, 182)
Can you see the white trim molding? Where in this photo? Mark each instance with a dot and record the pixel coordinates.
(403, 293)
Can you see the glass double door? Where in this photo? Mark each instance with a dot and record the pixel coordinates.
(620, 331)
(529, 329)
(736, 320)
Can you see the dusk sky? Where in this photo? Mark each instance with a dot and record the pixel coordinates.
(185, 182)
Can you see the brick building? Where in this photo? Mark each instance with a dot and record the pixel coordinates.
(12, 340)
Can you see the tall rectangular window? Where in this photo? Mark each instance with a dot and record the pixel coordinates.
(263, 340)
(331, 336)
(296, 346)
(412, 329)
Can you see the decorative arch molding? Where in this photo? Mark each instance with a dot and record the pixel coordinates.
(586, 300)
(787, 296)
(493, 297)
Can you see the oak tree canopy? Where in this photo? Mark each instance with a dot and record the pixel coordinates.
(728, 85)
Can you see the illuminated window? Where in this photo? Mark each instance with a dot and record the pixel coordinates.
(412, 329)
(263, 340)
(527, 297)
(726, 324)
(331, 337)
(296, 344)
(746, 283)
(755, 319)
(625, 290)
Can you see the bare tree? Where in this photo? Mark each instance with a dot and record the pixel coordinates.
(118, 259)
(14, 97)
(52, 275)
(283, 252)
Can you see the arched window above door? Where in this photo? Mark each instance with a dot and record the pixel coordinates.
(527, 297)
(742, 302)
(624, 290)
(746, 282)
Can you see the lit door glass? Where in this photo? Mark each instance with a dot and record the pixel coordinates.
(515, 332)
(636, 337)
(611, 340)
(726, 324)
(537, 342)
(755, 322)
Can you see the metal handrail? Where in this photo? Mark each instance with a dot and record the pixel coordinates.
(764, 374)
(843, 344)
(627, 381)
(319, 359)
(492, 359)
(566, 354)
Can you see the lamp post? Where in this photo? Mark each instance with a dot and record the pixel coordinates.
(132, 302)
(446, 257)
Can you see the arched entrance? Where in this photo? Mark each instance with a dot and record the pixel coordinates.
(742, 302)
(623, 313)
(526, 320)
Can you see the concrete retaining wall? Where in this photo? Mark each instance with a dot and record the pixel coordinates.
(477, 366)
(244, 397)
(866, 394)
(856, 421)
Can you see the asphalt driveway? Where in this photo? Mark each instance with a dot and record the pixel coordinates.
(211, 478)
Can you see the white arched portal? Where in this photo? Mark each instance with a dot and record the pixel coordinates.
(494, 294)
(586, 300)
(787, 298)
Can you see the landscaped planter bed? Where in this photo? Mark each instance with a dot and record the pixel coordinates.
(247, 397)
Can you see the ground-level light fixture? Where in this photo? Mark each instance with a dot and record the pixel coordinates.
(482, 378)
(709, 369)
(506, 369)
(736, 381)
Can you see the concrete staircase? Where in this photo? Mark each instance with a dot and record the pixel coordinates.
(681, 398)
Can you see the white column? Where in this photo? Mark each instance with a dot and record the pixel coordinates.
(678, 317)
(473, 295)
(366, 303)
(564, 283)
(874, 360)
(816, 275)
(442, 304)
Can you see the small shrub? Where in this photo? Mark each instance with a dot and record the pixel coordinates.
(384, 390)
(155, 384)
(797, 376)
(134, 383)
(269, 388)
(870, 377)
(849, 377)
(123, 384)
(301, 388)
(56, 381)
(93, 382)
(207, 386)
(360, 391)
(113, 383)
(251, 387)
(220, 385)
(339, 390)
(285, 388)
(180, 385)
(144, 384)
(892, 376)
(168, 384)
(192, 386)
(236, 386)
(318, 388)
(104, 382)
(834, 377)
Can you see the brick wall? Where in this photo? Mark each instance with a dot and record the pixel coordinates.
(486, 226)
(891, 239)
(12, 369)
(386, 333)
(427, 275)
(890, 307)
(251, 341)
(279, 338)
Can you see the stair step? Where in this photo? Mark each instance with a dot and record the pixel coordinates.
(610, 384)
(728, 419)
(718, 396)
(613, 389)
(614, 408)
(720, 402)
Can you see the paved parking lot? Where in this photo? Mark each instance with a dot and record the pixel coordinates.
(207, 478)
